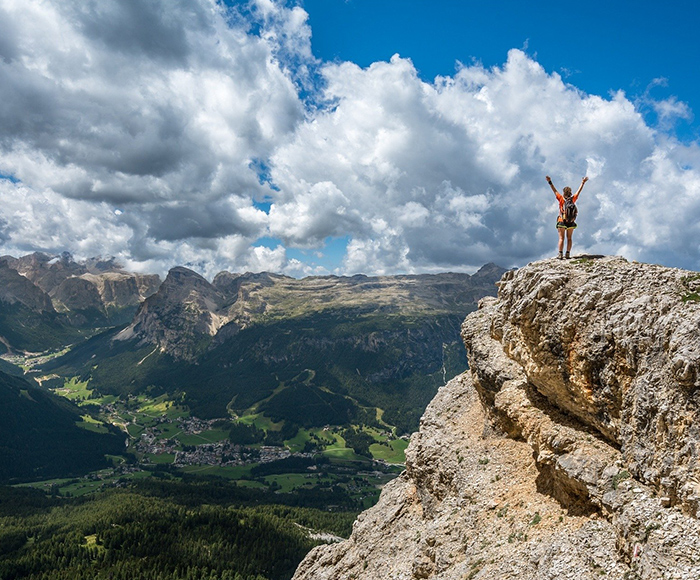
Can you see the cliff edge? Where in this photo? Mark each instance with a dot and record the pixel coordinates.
(569, 450)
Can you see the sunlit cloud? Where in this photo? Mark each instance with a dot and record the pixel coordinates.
(185, 132)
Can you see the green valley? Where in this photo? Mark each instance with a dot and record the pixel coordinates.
(164, 438)
(227, 419)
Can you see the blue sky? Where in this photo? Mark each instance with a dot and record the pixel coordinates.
(599, 46)
(347, 136)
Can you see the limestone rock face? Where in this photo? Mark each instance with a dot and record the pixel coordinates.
(47, 272)
(615, 346)
(185, 309)
(97, 285)
(123, 289)
(76, 293)
(569, 450)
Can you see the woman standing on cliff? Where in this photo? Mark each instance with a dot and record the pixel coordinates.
(566, 222)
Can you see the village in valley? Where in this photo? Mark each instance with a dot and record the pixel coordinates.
(161, 437)
(223, 453)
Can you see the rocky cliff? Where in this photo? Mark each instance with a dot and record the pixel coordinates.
(97, 285)
(570, 448)
(185, 309)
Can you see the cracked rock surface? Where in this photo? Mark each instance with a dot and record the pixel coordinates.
(570, 448)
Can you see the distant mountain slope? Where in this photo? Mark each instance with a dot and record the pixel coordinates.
(94, 292)
(320, 350)
(10, 369)
(28, 320)
(187, 311)
(39, 437)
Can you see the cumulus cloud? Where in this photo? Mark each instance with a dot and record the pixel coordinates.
(153, 130)
(450, 174)
(163, 109)
(45, 219)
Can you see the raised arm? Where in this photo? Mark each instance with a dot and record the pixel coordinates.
(549, 180)
(580, 187)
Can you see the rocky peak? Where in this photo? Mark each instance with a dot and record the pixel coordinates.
(185, 309)
(488, 271)
(99, 265)
(182, 282)
(570, 448)
(15, 288)
(96, 284)
(47, 271)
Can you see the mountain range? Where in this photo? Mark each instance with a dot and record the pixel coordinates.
(48, 302)
(278, 352)
(317, 350)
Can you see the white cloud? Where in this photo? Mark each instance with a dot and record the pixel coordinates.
(318, 212)
(146, 130)
(46, 220)
(451, 174)
(161, 109)
(264, 259)
(671, 109)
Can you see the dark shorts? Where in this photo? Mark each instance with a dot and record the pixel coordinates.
(566, 225)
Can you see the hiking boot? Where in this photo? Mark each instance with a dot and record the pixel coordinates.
(567, 256)
(560, 256)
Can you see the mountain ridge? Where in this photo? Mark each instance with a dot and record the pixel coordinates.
(47, 302)
(197, 309)
(231, 344)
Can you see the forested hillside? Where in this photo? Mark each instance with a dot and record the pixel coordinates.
(41, 436)
(139, 535)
